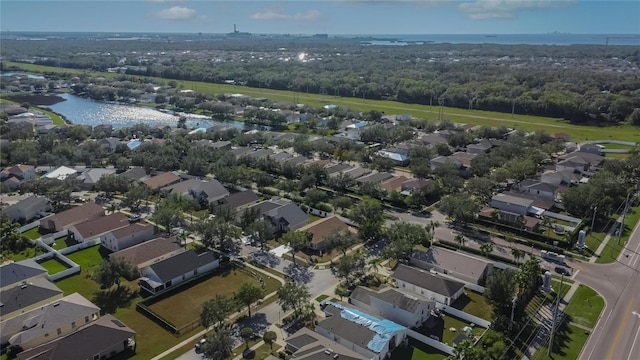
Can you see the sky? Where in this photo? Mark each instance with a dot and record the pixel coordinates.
(324, 16)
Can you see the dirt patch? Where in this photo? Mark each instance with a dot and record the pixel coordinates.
(44, 100)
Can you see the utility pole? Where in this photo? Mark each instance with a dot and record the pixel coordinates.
(624, 213)
(555, 316)
(593, 220)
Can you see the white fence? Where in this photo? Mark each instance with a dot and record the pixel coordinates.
(51, 238)
(463, 315)
(80, 246)
(29, 226)
(431, 342)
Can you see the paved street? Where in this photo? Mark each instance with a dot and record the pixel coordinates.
(617, 334)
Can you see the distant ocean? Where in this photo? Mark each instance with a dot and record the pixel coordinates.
(527, 39)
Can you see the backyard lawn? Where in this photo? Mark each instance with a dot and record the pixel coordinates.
(585, 306)
(28, 253)
(33, 233)
(416, 350)
(62, 242)
(473, 303)
(190, 299)
(54, 265)
(443, 326)
(89, 258)
(569, 340)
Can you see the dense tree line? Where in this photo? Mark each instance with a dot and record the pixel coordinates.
(540, 80)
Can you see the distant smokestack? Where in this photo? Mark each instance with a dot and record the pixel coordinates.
(234, 28)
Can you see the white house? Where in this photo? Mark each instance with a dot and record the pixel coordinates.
(127, 236)
(97, 227)
(365, 334)
(176, 269)
(409, 310)
(511, 203)
(430, 286)
(462, 266)
(28, 208)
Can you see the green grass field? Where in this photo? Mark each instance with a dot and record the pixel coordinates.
(473, 303)
(54, 265)
(615, 247)
(617, 146)
(477, 117)
(89, 258)
(569, 340)
(585, 306)
(190, 299)
(33, 233)
(416, 350)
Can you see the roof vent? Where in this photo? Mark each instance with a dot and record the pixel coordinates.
(328, 352)
(336, 356)
(56, 304)
(23, 286)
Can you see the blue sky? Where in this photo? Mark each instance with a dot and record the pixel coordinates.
(325, 16)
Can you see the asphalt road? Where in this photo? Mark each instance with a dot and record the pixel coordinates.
(617, 334)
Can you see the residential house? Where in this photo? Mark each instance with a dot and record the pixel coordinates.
(75, 215)
(459, 265)
(559, 178)
(367, 335)
(135, 173)
(20, 272)
(12, 183)
(337, 168)
(98, 227)
(283, 215)
(440, 161)
(406, 309)
(356, 172)
(219, 145)
(591, 148)
(125, 237)
(464, 159)
(90, 177)
(298, 160)
(538, 188)
(26, 296)
(110, 143)
(305, 344)
(240, 199)
(176, 269)
(322, 228)
(424, 283)
(161, 180)
(28, 209)
(281, 157)
(102, 130)
(481, 147)
(101, 339)
(394, 184)
(149, 252)
(48, 129)
(60, 173)
(572, 164)
(413, 184)
(399, 158)
(159, 131)
(374, 178)
(511, 203)
(22, 172)
(580, 160)
(49, 322)
(434, 139)
(210, 191)
(240, 151)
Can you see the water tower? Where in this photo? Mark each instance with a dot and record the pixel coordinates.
(546, 283)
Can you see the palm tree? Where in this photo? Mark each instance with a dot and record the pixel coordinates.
(547, 223)
(509, 239)
(375, 264)
(461, 240)
(517, 254)
(486, 249)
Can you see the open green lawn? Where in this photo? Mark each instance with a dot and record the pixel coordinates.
(443, 326)
(28, 253)
(33, 233)
(616, 156)
(569, 340)
(62, 243)
(614, 247)
(54, 265)
(473, 303)
(191, 297)
(477, 117)
(585, 306)
(89, 258)
(617, 146)
(416, 350)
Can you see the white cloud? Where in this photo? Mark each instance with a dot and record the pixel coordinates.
(507, 9)
(421, 3)
(277, 13)
(177, 13)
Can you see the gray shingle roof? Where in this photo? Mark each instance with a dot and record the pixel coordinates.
(17, 272)
(22, 297)
(452, 261)
(181, 264)
(426, 280)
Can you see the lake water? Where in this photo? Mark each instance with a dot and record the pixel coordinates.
(83, 111)
(510, 39)
(19, 74)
